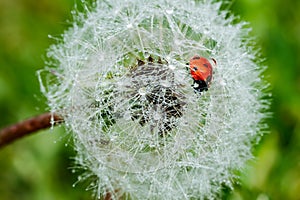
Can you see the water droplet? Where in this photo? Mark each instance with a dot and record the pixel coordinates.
(206, 31)
(222, 82)
(168, 58)
(142, 91)
(165, 83)
(262, 196)
(113, 138)
(146, 54)
(156, 116)
(127, 115)
(152, 145)
(172, 67)
(169, 11)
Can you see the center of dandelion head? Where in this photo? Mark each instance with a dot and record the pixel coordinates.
(140, 116)
(152, 102)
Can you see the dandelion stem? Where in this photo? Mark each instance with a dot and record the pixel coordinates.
(13, 132)
(16, 131)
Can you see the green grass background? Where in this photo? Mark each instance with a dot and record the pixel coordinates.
(39, 167)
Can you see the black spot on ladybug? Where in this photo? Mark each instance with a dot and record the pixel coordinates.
(196, 58)
(195, 68)
(205, 65)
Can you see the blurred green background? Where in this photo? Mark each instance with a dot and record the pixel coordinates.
(38, 167)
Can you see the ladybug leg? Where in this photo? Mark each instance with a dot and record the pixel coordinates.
(187, 66)
(196, 87)
(200, 86)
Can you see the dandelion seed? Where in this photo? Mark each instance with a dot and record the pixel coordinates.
(122, 86)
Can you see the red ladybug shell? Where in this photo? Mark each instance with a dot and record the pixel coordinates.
(201, 69)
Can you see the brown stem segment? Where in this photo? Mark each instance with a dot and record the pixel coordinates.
(26, 127)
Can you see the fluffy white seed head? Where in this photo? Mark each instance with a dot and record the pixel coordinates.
(119, 78)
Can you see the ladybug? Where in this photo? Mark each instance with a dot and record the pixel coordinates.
(201, 72)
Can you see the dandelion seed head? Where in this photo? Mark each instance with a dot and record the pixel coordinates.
(119, 79)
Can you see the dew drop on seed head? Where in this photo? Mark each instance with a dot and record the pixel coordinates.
(222, 82)
(165, 83)
(206, 31)
(172, 67)
(127, 115)
(156, 116)
(169, 11)
(142, 91)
